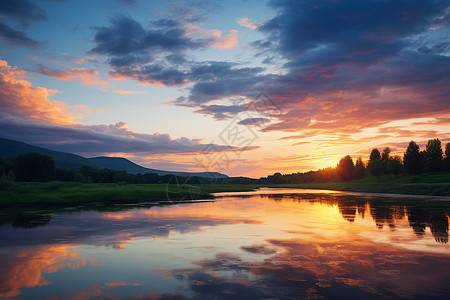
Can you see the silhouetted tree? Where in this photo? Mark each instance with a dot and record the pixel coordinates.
(394, 165)
(375, 165)
(276, 178)
(385, 154)
(7, 169)
(345, 168)
(412, 158)
(360, 169)
(34, 167)
(89, 173)
(385, 159)
(433, 155)
(63, 174)
(375, 154)
(447, 157)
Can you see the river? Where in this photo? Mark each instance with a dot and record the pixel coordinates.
(268, 244)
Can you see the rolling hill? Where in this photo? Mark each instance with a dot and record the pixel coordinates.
(11, 148)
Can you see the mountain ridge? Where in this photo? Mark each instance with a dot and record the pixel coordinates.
(11, 148)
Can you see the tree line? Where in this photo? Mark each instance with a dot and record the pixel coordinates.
(36, 167)
(414, 161)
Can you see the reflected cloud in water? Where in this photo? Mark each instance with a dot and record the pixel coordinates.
(308, 245)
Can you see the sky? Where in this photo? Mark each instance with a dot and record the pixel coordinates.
(245, 88)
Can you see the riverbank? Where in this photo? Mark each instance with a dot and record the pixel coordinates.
(435, 184)
(73, 193)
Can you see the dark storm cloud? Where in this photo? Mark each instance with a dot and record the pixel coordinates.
(215, 80)
(355, 64)
(220, 112)
(23, 12)
(348, 64)
(348, 26)
(132, 49)
(17, 38)
(156, 74)
(126, 36)
(254, 121)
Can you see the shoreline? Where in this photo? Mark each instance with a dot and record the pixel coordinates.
(63, 194)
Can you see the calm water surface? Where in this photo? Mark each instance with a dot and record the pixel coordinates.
(281, 244)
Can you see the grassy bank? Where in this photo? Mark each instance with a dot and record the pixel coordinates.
(63, 193)
(69, 193)
(437, 184)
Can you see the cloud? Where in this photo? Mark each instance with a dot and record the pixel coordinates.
(246, 22)
(156, 55)
(254, 121)
(17, 38)
(213, 35)
(353, 65)
(126, 36)
(19, 99)
(259, 249)
(99, 140)
(217, 80)
(23, 12)
(83, 75)
(123, 92)
(347, 65)
(228, 41)
(28, 115)
(220, 112)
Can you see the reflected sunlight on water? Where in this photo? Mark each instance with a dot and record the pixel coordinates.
(257, 245)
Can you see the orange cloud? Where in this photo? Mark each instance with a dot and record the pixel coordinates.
(25, 269)
(123, 92)
(228, 41)
(116, 284)
(83, 75)
(246, 23)
(69, 109)
(87, 76)
(192, 29)
(84, 60)
(19, 98)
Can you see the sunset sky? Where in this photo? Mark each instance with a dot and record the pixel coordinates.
(247, 88)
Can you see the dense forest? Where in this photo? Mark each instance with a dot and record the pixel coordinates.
(414, 161)
(36, 167)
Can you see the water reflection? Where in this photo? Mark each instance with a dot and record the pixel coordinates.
(384, 211)
(280, 246)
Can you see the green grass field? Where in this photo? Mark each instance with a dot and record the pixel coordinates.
(68, 193)
(437, 184)
(55, 193)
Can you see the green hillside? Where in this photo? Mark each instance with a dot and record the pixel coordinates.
(11, 148)
(119, 163)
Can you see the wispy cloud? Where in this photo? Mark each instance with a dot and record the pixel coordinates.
(246, 22)
(123, 92)
(228, 41)
(83, 75)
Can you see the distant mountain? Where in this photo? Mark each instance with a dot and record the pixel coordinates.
(11, 148)
(120, 163)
